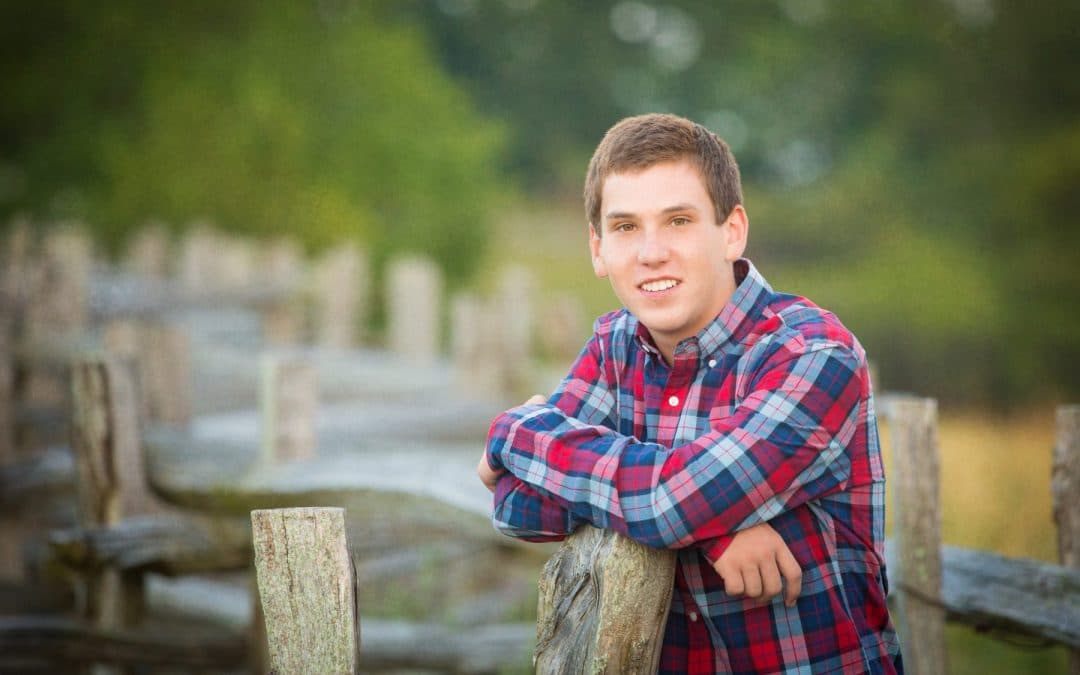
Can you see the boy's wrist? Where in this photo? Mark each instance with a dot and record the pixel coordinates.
(714, 548)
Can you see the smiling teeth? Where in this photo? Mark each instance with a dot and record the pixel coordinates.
(662, 285)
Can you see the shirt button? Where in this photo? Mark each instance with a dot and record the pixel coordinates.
(673, 401)
(693, 616)
(712, 363)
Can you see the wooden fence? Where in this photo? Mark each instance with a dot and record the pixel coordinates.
(170, 485)
(932, 583)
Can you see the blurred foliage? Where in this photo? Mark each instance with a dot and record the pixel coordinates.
(321, 120)
(910, 165)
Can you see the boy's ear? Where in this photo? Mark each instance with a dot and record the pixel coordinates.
(594, 249)
(738, 229)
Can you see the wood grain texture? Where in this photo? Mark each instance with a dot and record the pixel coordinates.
(1065, 485)
(604, 601)
(308, 590)
(913, 428)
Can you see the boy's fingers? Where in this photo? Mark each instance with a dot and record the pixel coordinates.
(733, 583)
(752, 581)
(792, 573)
(536, 399)
(771, 583)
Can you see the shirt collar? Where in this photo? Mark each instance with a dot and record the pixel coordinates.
(752, 294)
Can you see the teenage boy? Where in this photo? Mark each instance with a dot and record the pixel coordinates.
(712, 415)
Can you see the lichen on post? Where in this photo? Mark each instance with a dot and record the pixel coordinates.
(307, 585)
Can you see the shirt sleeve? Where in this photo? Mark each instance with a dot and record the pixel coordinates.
(520, 510)
(784, 445)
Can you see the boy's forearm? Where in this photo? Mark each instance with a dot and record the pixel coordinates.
(745, 471)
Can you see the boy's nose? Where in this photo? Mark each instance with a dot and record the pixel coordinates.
(653, 250)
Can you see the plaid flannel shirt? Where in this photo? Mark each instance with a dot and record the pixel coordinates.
(765, 416)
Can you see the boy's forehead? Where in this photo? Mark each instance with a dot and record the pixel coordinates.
(623, 184)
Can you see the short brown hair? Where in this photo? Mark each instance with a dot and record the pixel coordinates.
(637, 143)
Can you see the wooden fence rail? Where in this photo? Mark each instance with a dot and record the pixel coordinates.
(619, 629)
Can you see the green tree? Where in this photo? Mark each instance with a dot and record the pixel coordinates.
(910, 165)
(321, 120)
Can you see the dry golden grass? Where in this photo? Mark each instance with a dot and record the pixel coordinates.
(995, 496)
(995, 482)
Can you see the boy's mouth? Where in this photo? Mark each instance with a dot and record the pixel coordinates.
(658, 285)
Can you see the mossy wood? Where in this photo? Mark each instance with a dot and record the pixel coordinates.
(164, 544)
(307, 585)
(63, 645)
(604, 602)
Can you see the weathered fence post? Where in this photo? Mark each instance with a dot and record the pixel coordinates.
(56, 305)
(604, 601)
(63, 302)
(414, 295)
(10, 535)
(236, 262)
(288, 398)
(515, 325)
(165, 373)
(197, 262)
(7, 391)
(159, 356)
(307, 584)
(913, 429)
(18, 273)
(283, 319)
(148, 254)
(1065, 484)
(564, 328)
(473, 344)
(109, 463)
(341, 282)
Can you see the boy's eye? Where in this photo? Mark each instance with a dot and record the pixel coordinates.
(624, 227)
(680, 220)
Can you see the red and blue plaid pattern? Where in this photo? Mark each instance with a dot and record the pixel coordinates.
(766, 415)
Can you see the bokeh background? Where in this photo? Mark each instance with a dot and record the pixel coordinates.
(912, 165)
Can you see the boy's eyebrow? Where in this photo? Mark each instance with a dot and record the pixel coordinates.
(679, 207)
(615, 215)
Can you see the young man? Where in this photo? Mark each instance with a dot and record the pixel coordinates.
(712, 415)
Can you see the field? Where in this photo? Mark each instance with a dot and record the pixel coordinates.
(995, 478)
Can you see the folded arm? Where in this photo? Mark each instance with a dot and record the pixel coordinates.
(519, 510)
(784, 445)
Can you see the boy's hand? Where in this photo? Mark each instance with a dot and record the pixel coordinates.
(754, 563)
(488, 476)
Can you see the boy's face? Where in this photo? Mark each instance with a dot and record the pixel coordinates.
(668, 260)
